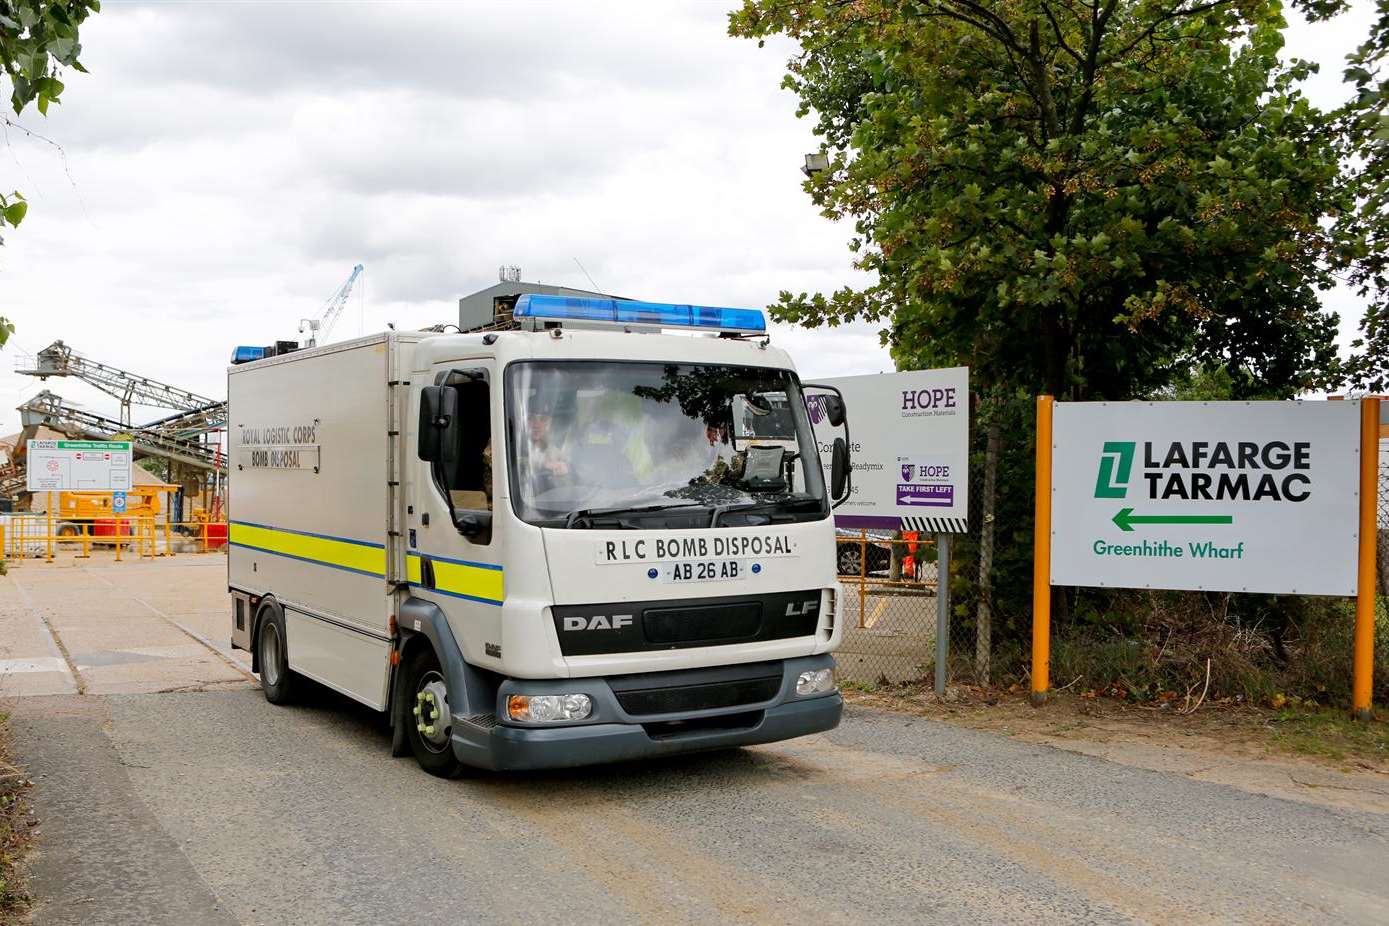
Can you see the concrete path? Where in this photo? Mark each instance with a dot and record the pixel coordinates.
(96, 626)
(170, 792)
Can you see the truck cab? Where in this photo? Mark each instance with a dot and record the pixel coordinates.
(609, 542)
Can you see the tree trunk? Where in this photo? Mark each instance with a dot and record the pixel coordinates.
(984, 615)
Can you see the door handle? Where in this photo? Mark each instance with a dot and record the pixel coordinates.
(427, 572)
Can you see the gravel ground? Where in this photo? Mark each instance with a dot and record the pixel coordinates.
(214, 807)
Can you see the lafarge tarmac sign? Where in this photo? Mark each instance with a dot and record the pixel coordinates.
(1222, 496)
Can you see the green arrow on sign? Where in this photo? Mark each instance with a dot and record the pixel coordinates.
(1126, 519)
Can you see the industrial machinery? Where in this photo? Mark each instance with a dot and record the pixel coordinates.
(189, 440)
(58, 359)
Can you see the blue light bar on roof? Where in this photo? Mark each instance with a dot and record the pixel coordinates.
(620, 312)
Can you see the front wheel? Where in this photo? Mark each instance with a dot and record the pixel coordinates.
(850, 558)
(428, 721)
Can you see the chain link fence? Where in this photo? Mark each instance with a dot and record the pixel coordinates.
(1382, 545)
(888, 589)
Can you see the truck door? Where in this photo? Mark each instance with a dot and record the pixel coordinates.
(453, 553)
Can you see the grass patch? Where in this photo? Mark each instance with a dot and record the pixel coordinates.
(14, 830)
(1332, 736)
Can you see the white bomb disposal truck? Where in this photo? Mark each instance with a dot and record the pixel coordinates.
(579, 539)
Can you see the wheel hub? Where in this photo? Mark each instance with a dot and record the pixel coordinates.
(431, 711)
(270, 655)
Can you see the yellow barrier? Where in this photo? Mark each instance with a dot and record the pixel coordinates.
(38, 535)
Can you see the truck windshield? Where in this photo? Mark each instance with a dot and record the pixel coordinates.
(591, 440)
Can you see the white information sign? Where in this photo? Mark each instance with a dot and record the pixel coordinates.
(78, 465)
(909, 450)
(1221, 496)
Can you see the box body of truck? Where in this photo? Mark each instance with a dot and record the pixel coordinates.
(479, 597)
(312, 457)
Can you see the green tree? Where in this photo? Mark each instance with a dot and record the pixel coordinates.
(38, 38)
(1363, 231)
(1068, 196)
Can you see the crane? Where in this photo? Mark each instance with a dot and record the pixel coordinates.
(322, 325)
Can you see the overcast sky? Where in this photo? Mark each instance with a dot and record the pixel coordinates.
(226, 163)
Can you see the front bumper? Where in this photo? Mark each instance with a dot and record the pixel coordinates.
(618, 736)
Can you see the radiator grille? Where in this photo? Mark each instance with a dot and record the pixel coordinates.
(700, 697)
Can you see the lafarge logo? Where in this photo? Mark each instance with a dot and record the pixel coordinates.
(1208, 471)
(1116, 465)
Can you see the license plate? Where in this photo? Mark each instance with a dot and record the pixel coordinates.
(703, 570)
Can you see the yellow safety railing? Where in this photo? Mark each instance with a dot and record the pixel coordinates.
(40, 535)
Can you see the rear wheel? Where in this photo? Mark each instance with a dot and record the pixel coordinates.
(428, 720)
(276, 678)
(850, 557)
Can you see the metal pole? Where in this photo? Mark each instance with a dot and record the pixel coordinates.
(942, 608)
(50, 527)
(862, 571)
(1362, 687)
(1041, 557)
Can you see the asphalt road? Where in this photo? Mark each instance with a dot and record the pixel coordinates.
(213, 807)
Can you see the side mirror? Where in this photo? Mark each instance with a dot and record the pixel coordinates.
(438, 424)
(839, 468)
(834, 410)
(473, 524)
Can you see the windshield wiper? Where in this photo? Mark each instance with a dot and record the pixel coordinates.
(580, 514)
(787, 502)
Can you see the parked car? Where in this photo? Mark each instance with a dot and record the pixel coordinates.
(849, 549)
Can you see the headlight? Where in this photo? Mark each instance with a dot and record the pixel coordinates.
(815, 681)
(549, 708)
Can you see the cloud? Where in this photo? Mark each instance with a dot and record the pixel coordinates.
(518, 52)
(228, 163)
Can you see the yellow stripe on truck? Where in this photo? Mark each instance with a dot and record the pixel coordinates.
(474, 581)
(337, 552)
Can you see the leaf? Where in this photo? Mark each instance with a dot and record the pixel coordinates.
(14, 213)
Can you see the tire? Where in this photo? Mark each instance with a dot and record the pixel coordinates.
(848, 559)
(279, 683)
(429, 732)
